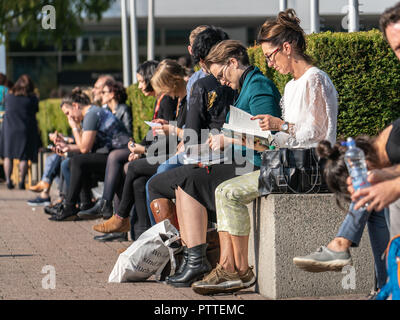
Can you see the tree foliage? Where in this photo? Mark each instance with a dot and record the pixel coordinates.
(26, 17)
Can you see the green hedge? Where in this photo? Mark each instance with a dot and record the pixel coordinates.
(50, 118)
(142, 109)
(362, 67)
(365, 72)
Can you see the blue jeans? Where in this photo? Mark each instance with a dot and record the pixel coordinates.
(172, 163)
(51, 168)
(352, 229)
(65, 171)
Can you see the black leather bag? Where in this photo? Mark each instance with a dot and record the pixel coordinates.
(297, 170)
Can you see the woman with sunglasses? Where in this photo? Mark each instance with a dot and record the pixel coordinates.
(194, 186)
(309, 109)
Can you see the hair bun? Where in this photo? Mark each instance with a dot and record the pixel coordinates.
(288, 18)
(326, 151)
(77, 90)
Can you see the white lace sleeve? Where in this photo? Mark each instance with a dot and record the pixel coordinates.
(318, 119)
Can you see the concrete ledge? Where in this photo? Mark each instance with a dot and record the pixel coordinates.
(285, 226)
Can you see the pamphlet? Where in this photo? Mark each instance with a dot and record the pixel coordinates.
(153, 124)
(240, 126)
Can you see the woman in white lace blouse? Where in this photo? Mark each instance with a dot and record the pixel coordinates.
(309, 109)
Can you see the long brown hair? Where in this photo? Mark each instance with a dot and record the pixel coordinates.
(285, 28)
(23, 87)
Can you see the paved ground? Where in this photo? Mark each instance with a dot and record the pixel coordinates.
(29, 242)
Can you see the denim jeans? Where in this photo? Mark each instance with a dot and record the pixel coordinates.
(172, 163)
(65, 171)
(352, 229)
(51, 168)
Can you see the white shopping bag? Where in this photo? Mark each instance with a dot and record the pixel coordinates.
(148, 255)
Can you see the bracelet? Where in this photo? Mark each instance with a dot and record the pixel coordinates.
(76, 129)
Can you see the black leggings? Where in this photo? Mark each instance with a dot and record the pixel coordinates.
(114, 172)
(83, 167)
(134, 192)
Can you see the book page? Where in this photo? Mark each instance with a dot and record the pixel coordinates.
(240, 122)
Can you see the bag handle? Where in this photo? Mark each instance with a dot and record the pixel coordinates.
(171, 252)
(316, 177)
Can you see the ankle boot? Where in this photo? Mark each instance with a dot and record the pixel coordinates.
(182, 266)
(92, 213)
(164, 209)
(107, 209)
(114, 224)
(196, 267)
(40, 186)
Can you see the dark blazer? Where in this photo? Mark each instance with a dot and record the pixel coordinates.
(124, 114)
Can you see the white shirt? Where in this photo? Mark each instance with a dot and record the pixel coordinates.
(311, 104)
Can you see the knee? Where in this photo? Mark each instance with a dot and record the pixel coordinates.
(227, 191)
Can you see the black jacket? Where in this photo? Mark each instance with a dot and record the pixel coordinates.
(209, 105)
(124, 114)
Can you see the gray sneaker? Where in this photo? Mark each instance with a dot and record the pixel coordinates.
(323, 259)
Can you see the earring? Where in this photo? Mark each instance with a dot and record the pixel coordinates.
(288, 56)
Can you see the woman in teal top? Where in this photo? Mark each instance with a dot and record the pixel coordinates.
(194, 186)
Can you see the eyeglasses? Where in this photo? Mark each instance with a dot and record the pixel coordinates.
(269, 56)
(221, 75)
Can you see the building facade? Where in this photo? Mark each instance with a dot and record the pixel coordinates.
(98, 49)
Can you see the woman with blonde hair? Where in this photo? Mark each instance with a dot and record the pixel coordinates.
(168, 79)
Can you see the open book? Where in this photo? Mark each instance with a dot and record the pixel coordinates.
(201, 153)
(240, 125)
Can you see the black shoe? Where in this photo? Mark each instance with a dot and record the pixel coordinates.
(91, 213)
(182, 266)
(99, 210)
(10, 185)
(21, 186)
(86, 206)
(115, 236)
(196, 267)
(65, 213)
(53, 208)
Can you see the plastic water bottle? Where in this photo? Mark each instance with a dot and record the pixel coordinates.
(356, 165)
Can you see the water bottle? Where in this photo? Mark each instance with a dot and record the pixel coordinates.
(356, 165)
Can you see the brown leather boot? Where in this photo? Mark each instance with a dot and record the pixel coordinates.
(40, 186)
(114, 224)
(164, 209)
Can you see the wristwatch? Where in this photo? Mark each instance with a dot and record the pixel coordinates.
(285, 127)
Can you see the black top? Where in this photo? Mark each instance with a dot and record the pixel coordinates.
(393, 143)
(166, 111)
(209, 105)
(20, 135)
(167, 108)
(124, 114)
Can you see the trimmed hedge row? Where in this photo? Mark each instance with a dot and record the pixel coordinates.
(363, 68)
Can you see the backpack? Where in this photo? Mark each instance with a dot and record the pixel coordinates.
(392, 287)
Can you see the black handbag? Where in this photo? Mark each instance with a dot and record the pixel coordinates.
(297, 170)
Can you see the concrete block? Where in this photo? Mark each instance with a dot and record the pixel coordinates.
(285, 226)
